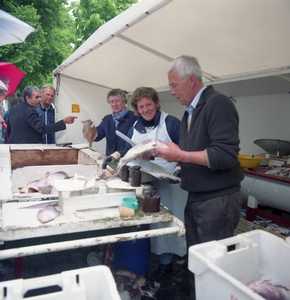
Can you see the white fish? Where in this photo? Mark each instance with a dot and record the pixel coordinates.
(43, 205)
(145, 148)
(160, 175)
(126, 272)
(87, 216)
(33, 186)
(56, 176)
(47, 214)
(270, 290)
(89, 132)
(44, 185)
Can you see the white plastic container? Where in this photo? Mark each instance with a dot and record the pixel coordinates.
(81, 284)
(223, 274)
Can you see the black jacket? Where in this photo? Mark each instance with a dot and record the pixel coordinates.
(214, 127)
(25, 127)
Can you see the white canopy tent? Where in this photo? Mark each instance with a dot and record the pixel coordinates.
(233, 40)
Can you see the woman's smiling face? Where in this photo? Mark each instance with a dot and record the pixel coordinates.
(147, 108)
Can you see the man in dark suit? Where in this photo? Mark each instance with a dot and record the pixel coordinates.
(24, 124)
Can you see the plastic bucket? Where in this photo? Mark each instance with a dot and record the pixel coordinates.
(133, 255)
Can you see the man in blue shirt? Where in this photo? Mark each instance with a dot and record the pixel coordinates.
(46, 112)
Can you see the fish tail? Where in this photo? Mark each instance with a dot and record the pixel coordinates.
(111, 176)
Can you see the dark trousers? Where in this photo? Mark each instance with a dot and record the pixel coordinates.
(208, 220)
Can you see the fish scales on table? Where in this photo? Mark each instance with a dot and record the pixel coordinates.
(89, 132)
(145, 148)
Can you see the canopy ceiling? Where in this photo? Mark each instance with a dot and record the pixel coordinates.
(233, 40)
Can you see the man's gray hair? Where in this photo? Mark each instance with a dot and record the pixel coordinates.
(28, 91)
(115, 92)
(4, 78)
(45, 86)
(185, 66)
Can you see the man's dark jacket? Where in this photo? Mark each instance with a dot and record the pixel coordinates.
(108, 129)
(25, 126)
(214, 127)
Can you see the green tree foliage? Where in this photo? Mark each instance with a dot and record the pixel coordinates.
(44, 49)
(91, 14)
(58, 33)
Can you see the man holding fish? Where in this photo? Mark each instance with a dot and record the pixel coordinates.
(208, 153)
(121, 119)
(155, 124)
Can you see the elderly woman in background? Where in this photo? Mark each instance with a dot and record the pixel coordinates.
(121, 119)
(156, 124)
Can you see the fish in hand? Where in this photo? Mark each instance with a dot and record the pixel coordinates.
(89, 131)
(145, 148)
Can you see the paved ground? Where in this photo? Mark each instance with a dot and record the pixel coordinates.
(171, 287)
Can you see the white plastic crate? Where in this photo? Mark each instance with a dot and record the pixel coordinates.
(223, 274)
(81, 284)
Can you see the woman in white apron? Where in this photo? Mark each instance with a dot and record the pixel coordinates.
(156, 124)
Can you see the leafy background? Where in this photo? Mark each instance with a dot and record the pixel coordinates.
(62, 26)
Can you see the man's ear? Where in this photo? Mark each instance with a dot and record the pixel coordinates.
(192, 80)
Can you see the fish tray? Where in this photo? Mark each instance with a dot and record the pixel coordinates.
(83, 284)
(223, 274)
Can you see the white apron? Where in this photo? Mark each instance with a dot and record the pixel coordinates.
(171, 195)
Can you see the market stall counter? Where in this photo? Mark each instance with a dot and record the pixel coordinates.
(102, 225)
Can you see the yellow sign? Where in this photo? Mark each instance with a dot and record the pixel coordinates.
(75, 108)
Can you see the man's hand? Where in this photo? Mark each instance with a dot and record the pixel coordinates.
(171, 154)
(174, 154)
(69, 120)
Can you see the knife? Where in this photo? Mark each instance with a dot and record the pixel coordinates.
(125, 138)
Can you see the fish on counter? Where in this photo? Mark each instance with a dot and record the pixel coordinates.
(145, 148)
(33, 186)
(87, 216)
(43, 186)
(89, 132)
(43, 205)
(47, 214)
(56, 176)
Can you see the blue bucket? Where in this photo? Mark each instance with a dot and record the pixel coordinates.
(133, 255)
